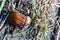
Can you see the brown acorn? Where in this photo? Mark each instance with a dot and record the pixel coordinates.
(16, 18)
(19, 19)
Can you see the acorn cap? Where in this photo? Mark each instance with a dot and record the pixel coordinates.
(27, 23)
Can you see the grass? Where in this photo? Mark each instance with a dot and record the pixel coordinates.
(38, 9)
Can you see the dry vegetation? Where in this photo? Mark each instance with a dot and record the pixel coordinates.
(41, 14)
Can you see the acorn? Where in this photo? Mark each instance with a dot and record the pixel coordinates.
(19, 20)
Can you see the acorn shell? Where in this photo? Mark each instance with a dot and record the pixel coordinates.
(16, 18)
